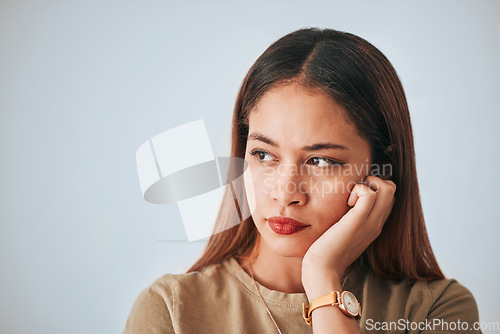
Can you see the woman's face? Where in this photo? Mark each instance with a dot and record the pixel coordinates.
(303, 158)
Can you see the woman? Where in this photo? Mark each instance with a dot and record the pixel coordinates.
(322, 122)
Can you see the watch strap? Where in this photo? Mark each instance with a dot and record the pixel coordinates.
(330, 299)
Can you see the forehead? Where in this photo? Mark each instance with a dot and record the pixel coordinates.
(293, 114)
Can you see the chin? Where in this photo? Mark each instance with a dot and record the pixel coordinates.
(286, 246)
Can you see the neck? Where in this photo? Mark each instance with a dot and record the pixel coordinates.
(275, 272)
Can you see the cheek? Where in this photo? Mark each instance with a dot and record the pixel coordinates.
(329, 199)
(331, 187)
(262, 178)
(258, 186)
(250, 190)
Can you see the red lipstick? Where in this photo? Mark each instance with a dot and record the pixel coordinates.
(285, 225)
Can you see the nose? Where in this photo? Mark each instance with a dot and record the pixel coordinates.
(289, 187)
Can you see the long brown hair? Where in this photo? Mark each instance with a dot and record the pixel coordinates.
(362, 80)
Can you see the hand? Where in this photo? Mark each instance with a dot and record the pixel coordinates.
(346, 240)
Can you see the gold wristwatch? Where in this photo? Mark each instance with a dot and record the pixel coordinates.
(346, 301)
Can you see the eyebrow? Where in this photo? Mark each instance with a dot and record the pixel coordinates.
(315, 147)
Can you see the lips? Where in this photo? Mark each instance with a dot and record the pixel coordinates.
(285, 225)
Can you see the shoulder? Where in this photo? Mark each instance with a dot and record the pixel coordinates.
(155, 308)
(168, 285)
(450, 306)
(447, 299)
(151, 309)
(442, 302)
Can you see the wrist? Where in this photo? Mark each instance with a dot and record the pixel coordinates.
(346, 302)
(320, 281)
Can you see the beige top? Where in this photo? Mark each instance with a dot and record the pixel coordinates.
(222, 299)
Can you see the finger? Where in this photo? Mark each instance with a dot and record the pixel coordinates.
(377, 183)
(361, 199)
(391, 184)
(385, 198)
(357, 191)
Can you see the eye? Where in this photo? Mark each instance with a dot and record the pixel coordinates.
(261, 155)
(323, 162)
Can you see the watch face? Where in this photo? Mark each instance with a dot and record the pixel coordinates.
(350, 302)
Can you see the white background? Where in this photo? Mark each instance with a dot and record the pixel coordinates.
(84, 83)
